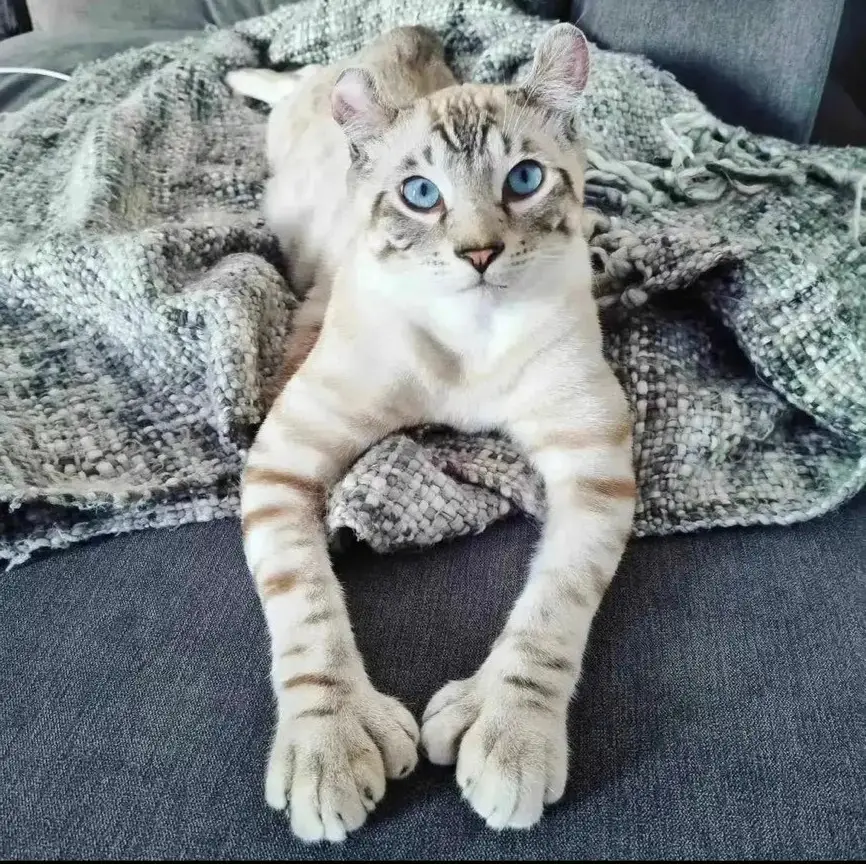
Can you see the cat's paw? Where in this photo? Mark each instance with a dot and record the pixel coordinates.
(329, 768)
(512, 756)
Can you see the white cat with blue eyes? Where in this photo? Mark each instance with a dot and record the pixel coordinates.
(438, 227)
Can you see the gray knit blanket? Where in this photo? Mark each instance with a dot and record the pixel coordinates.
(143, 310)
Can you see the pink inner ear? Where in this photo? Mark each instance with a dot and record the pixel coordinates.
(341, 109)
(580, 62)
(350, 97)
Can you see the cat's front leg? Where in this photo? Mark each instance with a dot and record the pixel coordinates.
(506, 726)
(337, 738)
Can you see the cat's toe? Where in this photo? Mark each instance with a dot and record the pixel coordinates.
(447, 717)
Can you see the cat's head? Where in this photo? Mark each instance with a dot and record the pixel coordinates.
(473, 185)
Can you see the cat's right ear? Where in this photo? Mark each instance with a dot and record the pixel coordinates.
(359, 108)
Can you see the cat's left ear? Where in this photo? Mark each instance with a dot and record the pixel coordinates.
(358, 107)
(560, 69)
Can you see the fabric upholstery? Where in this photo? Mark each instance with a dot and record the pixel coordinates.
(14, 18)
(721, 712)
(757, 63)
(61, 15)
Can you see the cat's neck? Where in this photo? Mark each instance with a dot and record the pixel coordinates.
(482, 327)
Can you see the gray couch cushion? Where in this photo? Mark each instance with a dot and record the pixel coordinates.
(721, 711)
(762, 64)
(59, 15)
(14, 18)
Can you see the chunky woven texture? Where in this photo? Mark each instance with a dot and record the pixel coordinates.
(143, 312)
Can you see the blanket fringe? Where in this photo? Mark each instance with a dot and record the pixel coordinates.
(709, 158)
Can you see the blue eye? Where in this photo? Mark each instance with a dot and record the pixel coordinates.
(524, 179)
(420, 193)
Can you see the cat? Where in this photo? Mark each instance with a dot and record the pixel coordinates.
(437, 227)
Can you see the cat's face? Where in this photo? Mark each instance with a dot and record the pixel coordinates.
(475, 187)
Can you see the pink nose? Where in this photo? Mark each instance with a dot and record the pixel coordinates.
(481, 259)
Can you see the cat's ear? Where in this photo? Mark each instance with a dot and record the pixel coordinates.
(560, 69)
(358, 107)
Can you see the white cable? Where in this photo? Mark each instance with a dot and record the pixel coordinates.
(27, 70)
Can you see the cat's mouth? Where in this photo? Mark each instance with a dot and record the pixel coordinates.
(483, 283)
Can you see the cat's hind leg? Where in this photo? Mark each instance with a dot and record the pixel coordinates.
(266, 85)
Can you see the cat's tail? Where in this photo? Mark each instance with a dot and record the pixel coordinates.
(266, 85)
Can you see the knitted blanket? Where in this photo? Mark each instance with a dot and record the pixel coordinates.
(143, 310)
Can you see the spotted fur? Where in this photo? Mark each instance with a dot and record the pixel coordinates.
(401, 329)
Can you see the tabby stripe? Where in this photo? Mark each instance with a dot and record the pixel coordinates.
(294, 651)
(562, 227)
(318, 617)
(555, 664)
(324, 681)
(571, 131)
(578, 595)
(623, 430)
(586, 589)
(581, 439)
(323, 711)
(279, 583)
(376, 209)
(565, 177)
(483, 133)
(600, 577)
(256, 518)
(445, 134)
(536, 705)
(269, 476)
(301, 344)
(538, 655)
(612, 487)
(528, 684)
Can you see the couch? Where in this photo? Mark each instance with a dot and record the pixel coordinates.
(722, 710)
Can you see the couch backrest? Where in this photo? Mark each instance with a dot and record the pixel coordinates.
(53, 16)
